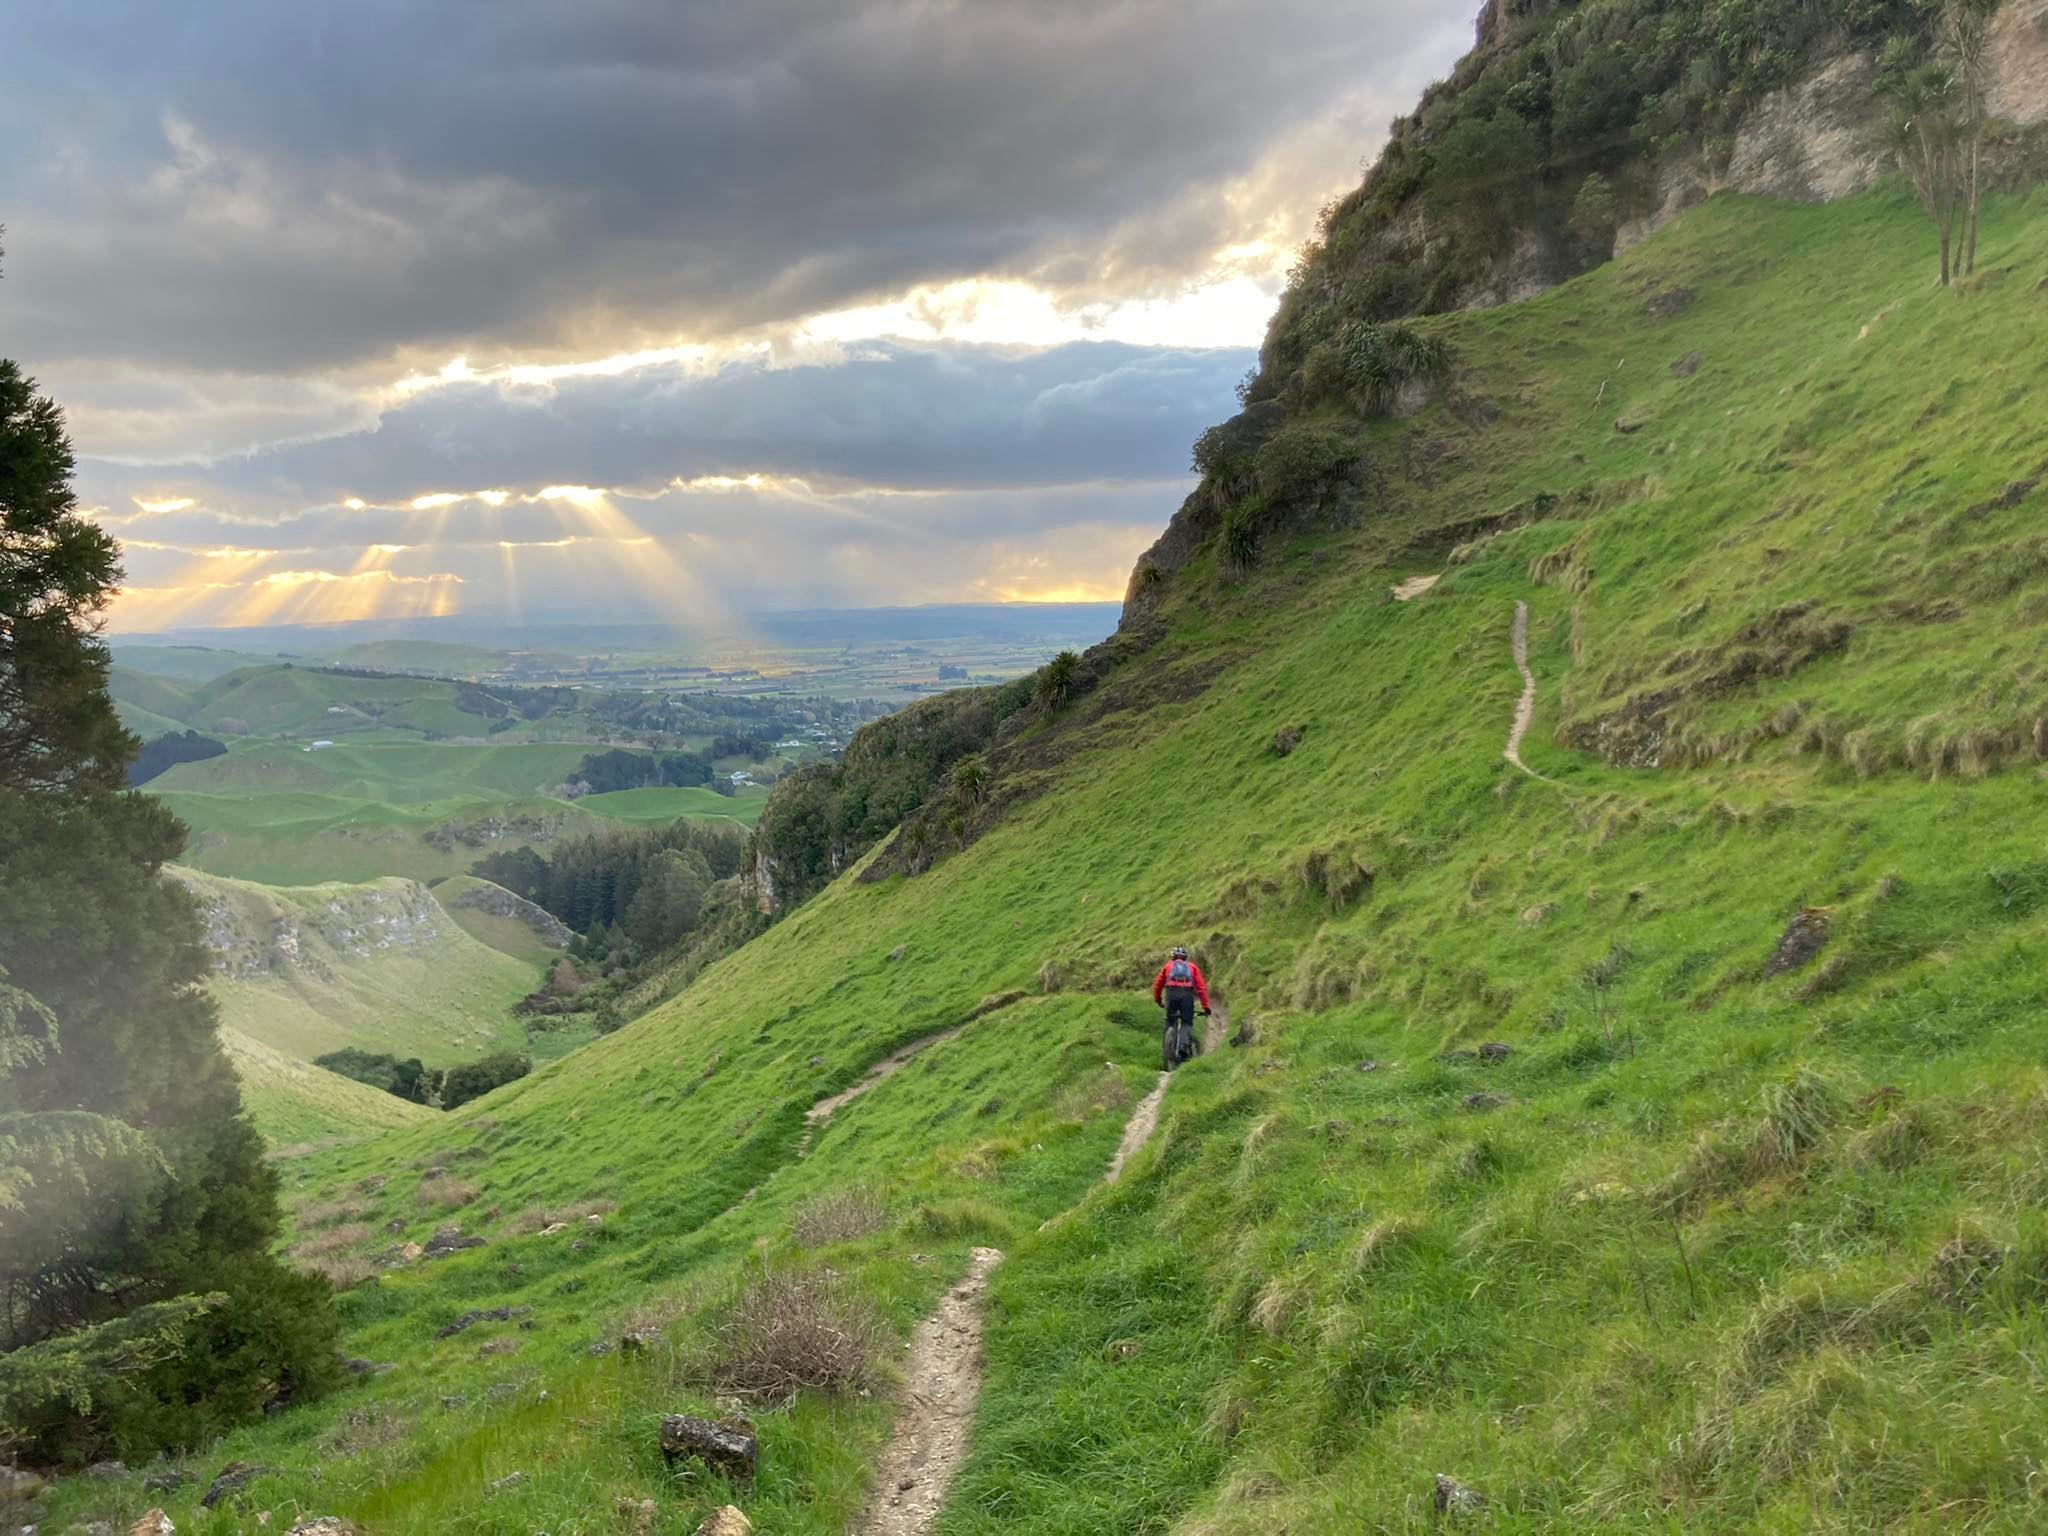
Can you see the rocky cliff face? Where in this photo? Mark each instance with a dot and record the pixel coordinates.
(251, 936)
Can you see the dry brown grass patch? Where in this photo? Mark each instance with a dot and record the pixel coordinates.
(342, 1271)
(839, 1216)
(333, 1240)
(791, 1329)
(445, 1193)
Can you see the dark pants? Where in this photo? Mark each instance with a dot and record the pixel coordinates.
(1180, 1010)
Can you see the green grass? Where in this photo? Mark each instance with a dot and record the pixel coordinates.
(1718, 1252)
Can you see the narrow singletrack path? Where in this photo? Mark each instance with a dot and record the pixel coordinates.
(1525, 707)
(877, 1075)
(1145, 1118)
(942, 1380)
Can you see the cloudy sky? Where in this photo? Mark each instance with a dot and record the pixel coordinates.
(670, 307)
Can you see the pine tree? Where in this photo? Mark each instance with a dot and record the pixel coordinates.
(129, 1177)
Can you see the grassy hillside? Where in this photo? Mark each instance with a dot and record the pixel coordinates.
(402, 772)
(1732, 1232)
(307, 970)
(492, 915)
(297, 1106)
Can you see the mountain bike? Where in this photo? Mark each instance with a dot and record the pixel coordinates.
(1179, 1044)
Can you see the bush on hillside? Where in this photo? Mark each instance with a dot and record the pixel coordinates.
(169, 750)
(408, 1079)
(792, 1329)
(1053, 684)
(822, 818)
(1302, 458)
(474, 1079)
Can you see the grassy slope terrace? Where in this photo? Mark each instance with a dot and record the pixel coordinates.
(1709, 1249)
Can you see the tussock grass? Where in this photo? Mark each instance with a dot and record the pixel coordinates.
(444, 1192)
(789, 1330)
(839, 1216)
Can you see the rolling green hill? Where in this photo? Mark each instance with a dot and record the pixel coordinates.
(298, 1106)
(510, 924)
(1650, 1139)
(381, 966)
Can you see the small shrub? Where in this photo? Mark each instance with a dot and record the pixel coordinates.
(444, 1192)
(1380, 361)
(1054, 685)
(838, 1217)
(1241, 525)
(792, 1329)
(1301, 458)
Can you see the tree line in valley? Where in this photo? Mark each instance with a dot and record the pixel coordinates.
(637, 888)
(416, 1083)
(141, 1303)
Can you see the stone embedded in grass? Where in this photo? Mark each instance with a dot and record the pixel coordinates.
(481, 1315)
(1688, 365)
(1631, 423)
(1480, 1102)
(449, 1240)
(1804, 938)
(107, 1469)
(726, 1522)
(1286, 739)
(1667, 302)
(231, 1480)
(1455, 1498)
(500, 1484)
(322, 1525)
(728, 1446)
(153, 1523)
(1494, 1050)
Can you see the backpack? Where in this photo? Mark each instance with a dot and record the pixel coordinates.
(1180, 974)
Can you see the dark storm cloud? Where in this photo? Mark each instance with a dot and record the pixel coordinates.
(946, 416)
(278, 188)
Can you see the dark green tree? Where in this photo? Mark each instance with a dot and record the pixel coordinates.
(129, 1176)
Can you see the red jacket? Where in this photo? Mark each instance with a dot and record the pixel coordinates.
(1159, 984)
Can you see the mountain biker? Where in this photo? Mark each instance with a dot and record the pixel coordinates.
(1180, 985)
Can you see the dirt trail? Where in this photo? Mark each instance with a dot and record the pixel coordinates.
(878, 1074)
(1145, 1118)
(942, 1379)
(1525, 708)
(1415, 586)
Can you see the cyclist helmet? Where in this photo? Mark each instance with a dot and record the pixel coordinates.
(1180, 952)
